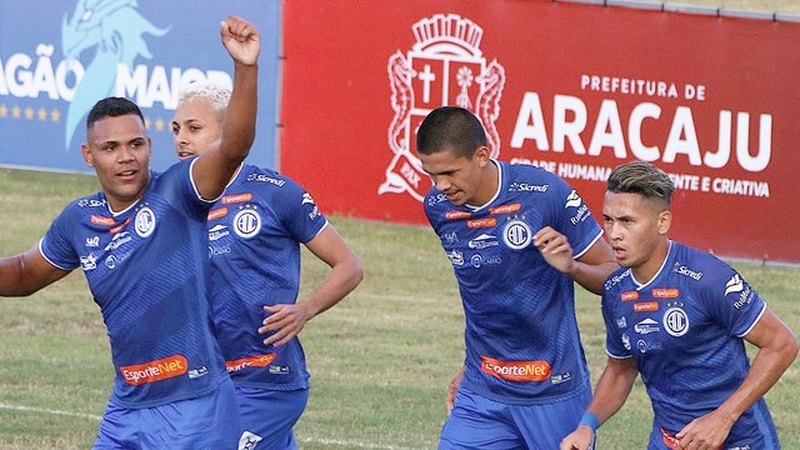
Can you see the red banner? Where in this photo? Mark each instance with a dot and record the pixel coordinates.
(575, 88)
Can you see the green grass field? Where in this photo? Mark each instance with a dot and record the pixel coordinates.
(379, 361)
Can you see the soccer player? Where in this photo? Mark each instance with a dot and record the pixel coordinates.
(517, 237)
(679, 317)
(142, 243)
(255, 231)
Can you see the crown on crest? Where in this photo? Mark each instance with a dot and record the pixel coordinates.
(450, 29)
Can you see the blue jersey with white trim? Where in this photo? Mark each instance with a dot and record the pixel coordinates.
(522, 340)
(146, 267)
(255, 231)
(684, 329)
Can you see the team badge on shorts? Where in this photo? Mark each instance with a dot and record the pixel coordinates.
(517, 234)
(247, 223)
(145, 222)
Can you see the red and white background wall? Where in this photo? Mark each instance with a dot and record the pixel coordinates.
(575, 88)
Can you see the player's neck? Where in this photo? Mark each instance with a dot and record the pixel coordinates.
(644, 273)
(489, 185)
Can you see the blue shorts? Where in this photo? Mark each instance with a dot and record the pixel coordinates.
(208, 422)
(268, 417)
(479, 423)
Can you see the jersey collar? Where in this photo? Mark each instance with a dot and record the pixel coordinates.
(640, 286)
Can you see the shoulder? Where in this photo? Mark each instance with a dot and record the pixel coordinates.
(704, 273)
(616, 280)
(265, 179)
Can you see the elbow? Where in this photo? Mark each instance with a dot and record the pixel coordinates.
(356, 272)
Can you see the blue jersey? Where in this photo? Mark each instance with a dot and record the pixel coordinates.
(522, 341)
(255, 231)
(146, 268)
(684, 329)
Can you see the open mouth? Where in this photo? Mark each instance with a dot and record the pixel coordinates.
(183, 154)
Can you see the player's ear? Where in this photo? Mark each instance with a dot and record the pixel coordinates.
(87, 155)
(482, 155)
(664, 222)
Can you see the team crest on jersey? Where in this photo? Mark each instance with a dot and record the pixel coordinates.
(445, 66)
(247, 223)
(675, 320)
(517, 234)
(145, 222)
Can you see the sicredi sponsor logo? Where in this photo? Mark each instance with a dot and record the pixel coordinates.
(526, 187)
(685, 271)
(265, 179)
(153, 371)
(519, 371)
(258, 361)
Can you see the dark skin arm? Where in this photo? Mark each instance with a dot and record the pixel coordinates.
(23, 274)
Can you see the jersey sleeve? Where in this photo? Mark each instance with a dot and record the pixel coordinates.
(615, 340)
(181, 189)
(56, 246)
(731, 301)
(300, 214)
(572, 218)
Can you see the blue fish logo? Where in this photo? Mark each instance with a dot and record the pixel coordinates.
(115, 29)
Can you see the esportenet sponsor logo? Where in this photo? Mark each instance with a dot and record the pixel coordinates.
(519, 371)
(645, 307)
(666, 293)
(487, 222)
(152, 371)
(237, 198)
(258, 361)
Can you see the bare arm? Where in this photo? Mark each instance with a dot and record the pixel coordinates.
(777, 348)
(590, 270)
(23, 274)
(212, 171)
(612, 390)
(287, 320)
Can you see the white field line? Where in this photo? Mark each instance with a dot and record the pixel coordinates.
(307, 440)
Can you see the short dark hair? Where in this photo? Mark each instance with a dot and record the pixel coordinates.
(643, 178)
(112, 107)
(450, 128)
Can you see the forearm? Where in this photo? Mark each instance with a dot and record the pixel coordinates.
(341, 280)
(612, 390)
(238, 131)
(767, 368)
(12, 280)
(23, 274)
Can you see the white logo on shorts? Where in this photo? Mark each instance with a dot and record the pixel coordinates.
(145, 222)
(248, 441)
